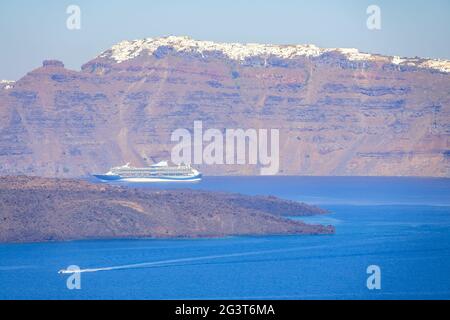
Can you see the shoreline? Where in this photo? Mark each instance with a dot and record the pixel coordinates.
(202, 238)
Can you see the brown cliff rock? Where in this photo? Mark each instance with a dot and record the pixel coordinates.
(339, 112)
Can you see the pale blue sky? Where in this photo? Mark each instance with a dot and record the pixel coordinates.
(32, 31)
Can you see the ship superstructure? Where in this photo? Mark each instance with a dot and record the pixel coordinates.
(159, 172)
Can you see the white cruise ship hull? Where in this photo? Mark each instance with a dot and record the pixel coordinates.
(162, 179)
(160, 172)
(113, 177)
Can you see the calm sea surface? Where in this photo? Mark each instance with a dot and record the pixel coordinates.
(400, 224)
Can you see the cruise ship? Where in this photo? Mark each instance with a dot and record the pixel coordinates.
(160, 172)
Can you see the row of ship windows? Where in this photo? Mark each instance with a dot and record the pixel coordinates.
(151, 174)
(152, 170)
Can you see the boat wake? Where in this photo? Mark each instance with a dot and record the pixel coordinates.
(174, 261)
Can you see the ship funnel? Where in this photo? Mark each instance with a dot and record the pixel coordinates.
(161, 164)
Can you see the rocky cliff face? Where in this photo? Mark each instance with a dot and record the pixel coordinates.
(339, 111)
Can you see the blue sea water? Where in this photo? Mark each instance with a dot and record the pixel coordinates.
(400, 224)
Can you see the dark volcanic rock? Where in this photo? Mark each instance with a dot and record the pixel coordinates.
(52, 63)
(42, 209)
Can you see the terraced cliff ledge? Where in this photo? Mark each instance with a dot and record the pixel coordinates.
(45, 209)
(340, 112)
